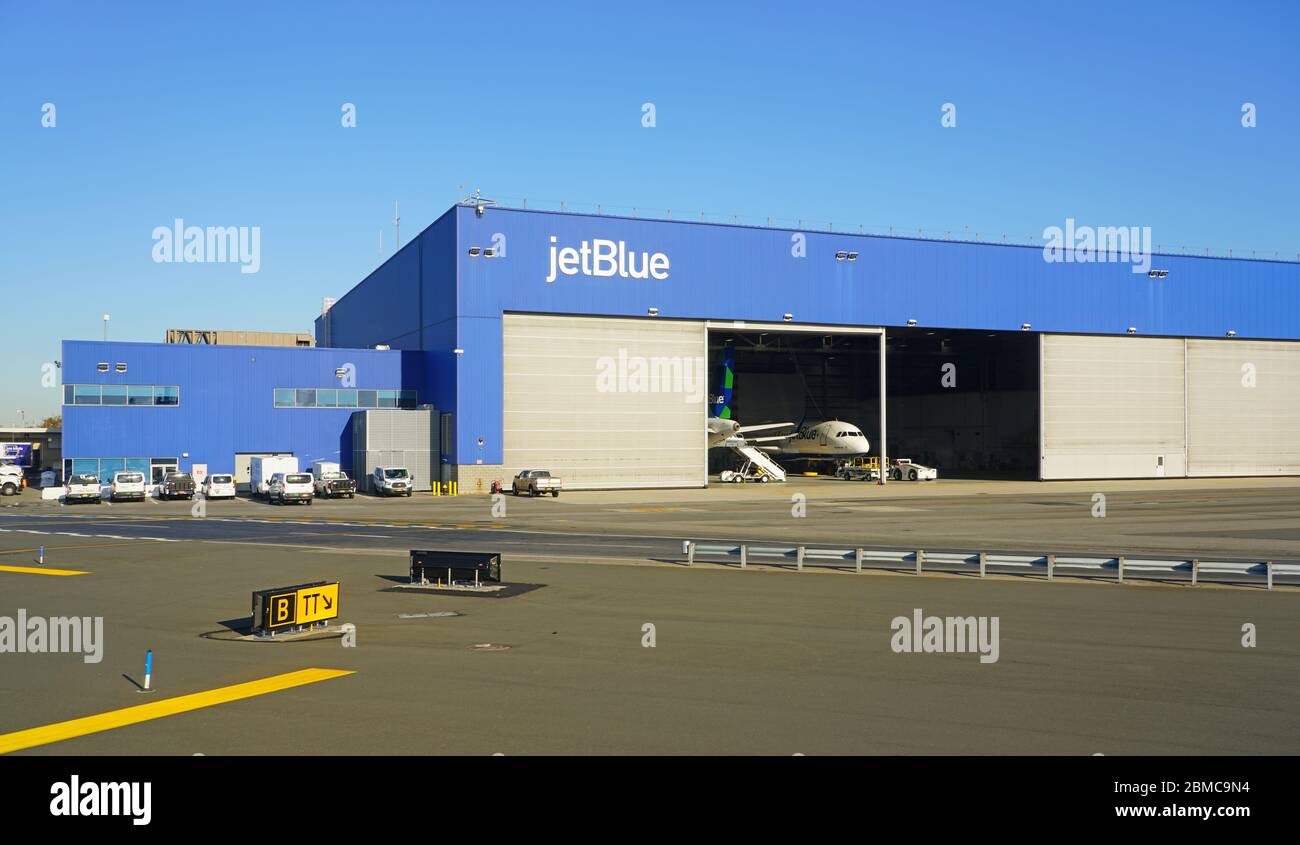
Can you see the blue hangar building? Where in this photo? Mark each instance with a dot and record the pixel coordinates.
(593, 346)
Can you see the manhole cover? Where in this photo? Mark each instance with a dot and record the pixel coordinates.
(489, 647)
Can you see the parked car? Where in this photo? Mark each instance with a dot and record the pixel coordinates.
(290, 487)
(330, 482)
(127, 485)
(11, 480)
(176, 485)
(392, 481)
(81, 487)
(536, 482)
(219, 486)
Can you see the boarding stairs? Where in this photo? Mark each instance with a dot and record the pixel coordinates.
(762, 460)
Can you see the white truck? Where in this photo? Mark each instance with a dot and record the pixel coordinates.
(83, 487)
(536, 482)
(331, 481)
(262, 467)
(11, 480)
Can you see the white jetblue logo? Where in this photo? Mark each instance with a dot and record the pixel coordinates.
(606, 258)
(103, 799)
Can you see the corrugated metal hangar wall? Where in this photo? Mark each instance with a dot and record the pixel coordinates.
(1137, 407)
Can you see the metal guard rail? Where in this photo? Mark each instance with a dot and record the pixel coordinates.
(920, 559)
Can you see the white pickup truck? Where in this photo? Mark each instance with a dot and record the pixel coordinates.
(536, 482)
(11, 480)
(83, 487)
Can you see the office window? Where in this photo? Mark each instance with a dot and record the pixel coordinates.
(114, 394)
(86, 394)
(108, 466)
(120, 394)
(326, 397)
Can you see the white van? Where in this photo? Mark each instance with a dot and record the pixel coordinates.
(127, 485)
(290, 487)
(219, 486)
(392, 481)
(262, 467)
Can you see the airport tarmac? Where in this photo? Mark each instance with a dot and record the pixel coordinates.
(755, 662)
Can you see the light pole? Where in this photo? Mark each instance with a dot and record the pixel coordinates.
(105, 327)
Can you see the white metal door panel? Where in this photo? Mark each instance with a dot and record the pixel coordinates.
(1243, 402)
(1112, 407)
(605, 402)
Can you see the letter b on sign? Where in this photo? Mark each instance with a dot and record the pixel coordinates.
(282, 608)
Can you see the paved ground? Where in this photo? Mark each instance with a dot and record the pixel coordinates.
(745, 662)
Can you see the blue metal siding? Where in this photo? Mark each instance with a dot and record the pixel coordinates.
(226, 401)
(745, 273)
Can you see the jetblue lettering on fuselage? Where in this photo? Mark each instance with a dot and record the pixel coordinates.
(606, 259)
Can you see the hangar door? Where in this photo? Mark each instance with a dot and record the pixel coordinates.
(605, 402)
(1112, 407)
(1243, 407)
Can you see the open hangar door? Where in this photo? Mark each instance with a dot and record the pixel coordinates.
(963, 401)
(605, 402)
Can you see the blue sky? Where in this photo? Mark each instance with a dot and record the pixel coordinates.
(229, 115)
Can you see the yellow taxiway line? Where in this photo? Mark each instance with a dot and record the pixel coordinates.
(41, 570)
(60, 731)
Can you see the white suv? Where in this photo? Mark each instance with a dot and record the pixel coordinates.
(127, 485)
(290, 487)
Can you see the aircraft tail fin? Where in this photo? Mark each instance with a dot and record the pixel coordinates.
(722, 408)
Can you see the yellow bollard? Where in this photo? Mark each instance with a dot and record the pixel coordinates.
(453, 489)
(437, 489)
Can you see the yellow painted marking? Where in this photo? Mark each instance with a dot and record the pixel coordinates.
(41, 570)
(60, 731)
